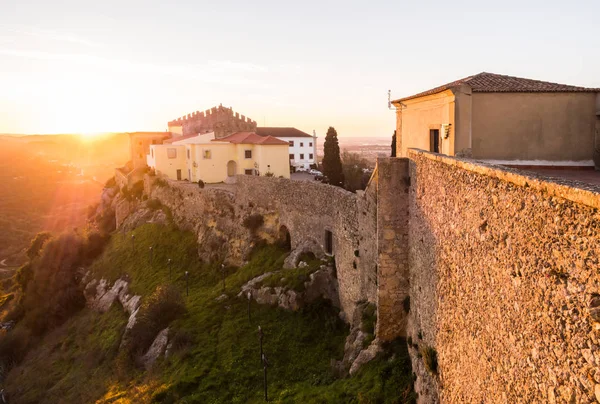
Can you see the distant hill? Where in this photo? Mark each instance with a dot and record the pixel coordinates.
(48, 181)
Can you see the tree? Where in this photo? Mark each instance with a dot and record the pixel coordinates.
(355, 173)
(332, 164)
(394, 145)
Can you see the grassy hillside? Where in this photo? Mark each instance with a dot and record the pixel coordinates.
(216, 352)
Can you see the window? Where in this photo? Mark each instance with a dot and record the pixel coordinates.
(140, 143)
(141, 155)
(328, 242)
(206, 154)
(249, 172)
(291, 156)
(188, 154)
(291, 143)
(310, 156)
(301, 156)
(152, 152)
(434, 140)
(310, 144)
(301, 144)
(248, 154)
(172, 153)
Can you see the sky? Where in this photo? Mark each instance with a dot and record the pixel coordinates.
(79, 66)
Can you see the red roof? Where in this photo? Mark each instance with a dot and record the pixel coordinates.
(498, 83)
(281, 132)
(250, 138)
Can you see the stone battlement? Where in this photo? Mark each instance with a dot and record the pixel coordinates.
(223, 121)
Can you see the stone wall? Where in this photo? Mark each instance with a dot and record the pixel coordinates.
(392, 246)
(504, 284)
(223, 121)
(305, 209)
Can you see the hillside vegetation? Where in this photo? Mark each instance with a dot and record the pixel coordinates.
(215, 353)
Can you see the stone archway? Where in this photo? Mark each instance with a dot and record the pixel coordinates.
(284, 238)
(231, 168)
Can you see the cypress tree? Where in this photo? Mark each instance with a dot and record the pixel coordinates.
(394, 145)
(332, 164)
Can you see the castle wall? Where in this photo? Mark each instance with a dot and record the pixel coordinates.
(306, 209)
(504, 281)
(392, 247)
(223, 121)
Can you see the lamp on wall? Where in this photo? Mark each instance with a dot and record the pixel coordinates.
(446, 130)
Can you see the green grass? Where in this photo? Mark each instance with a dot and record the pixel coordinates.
(293, 278)
(73, 364)
(219, 363)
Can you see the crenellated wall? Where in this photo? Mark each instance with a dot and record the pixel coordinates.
(504, 284)
(223, 121)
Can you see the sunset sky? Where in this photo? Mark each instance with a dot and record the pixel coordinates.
(82, 66)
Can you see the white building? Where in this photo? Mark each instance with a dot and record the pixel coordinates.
(303, 147)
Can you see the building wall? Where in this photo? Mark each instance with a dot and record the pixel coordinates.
(308, 147)
(139, 146)
(158, 160)
(273, 159)
(420, 115)
(214, 170)
(534, 126)
(504, 278)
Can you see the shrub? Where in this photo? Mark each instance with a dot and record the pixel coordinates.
(110, 183)
(154, 204)
(201, 184)
(14, 346)
(269, 174)
(106, 222)
(430, 359)
(369, 319)
(137, 190)
(161, 182)
(156, 313)
(37, 243)
(253, 222)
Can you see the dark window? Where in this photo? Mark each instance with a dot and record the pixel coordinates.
(310, 144)
(188, 154)
(249, 172)
(179, 175)
(310, 156)
(301, 156)
(434, 140)
(291, 156)
(292, 143)
(248, 154)
(328, 242)
(301, 144)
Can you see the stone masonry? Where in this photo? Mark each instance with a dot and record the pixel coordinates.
(505, 279)
(223, 121)
(392, 246)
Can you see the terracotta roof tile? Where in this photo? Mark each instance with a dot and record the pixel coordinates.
(498, 83)
(250, 138)
(281, 132)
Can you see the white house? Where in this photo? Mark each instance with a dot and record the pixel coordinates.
(303, 147)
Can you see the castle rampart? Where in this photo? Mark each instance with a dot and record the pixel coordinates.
(219, 119)
(504, 280)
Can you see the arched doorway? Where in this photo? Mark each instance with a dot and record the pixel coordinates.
(285, 239)
(231, 168)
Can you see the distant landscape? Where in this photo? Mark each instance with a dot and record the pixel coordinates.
(47, 183)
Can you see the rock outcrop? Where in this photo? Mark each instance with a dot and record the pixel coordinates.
(320, 284)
